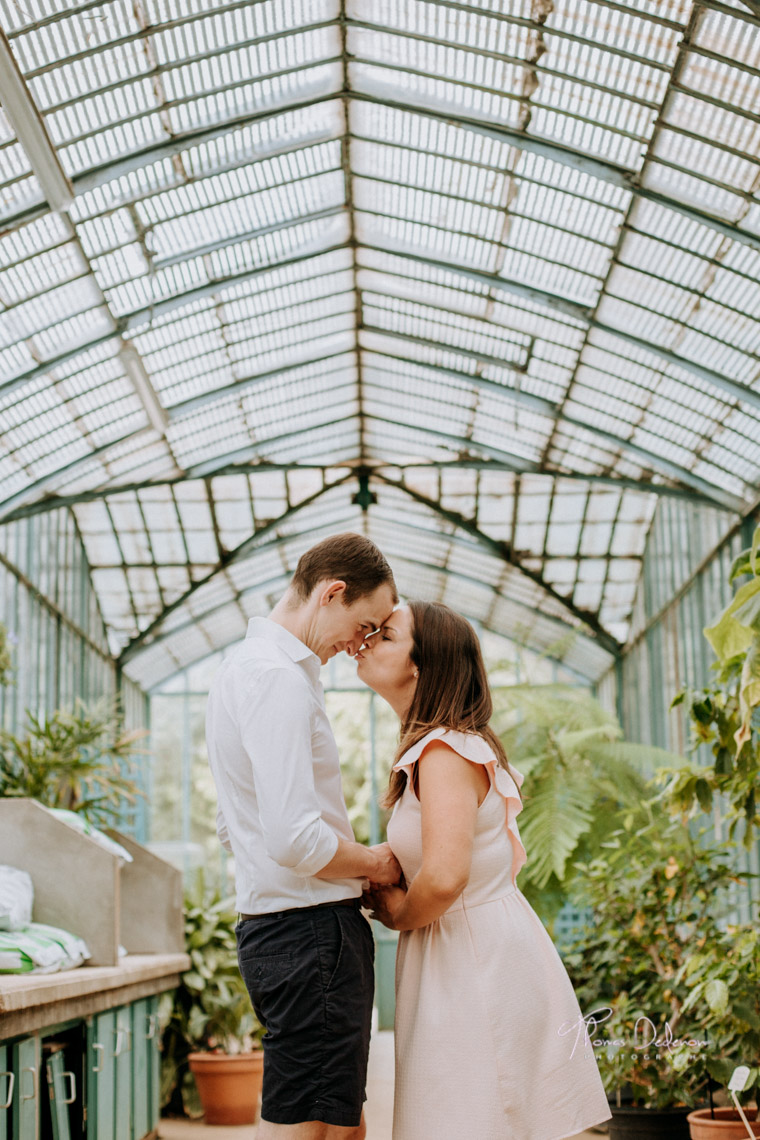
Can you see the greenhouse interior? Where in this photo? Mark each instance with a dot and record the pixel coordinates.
(479, 282)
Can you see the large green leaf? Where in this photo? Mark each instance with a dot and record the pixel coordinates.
(729, 636)
(716, 995)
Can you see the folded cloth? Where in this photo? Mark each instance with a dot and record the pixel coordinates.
(16, 898)
(40, 949)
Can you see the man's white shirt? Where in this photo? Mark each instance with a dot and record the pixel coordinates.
(275, 764)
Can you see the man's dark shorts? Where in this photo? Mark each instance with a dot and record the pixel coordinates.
(311, 980)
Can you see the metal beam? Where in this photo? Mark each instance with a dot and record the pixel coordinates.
(250, 235)
(503, 553)
(615, 482)
(197, 472)
(716, 497)
(348, 192)
(147, 315)
(406, 287)
(59, 502)
(607, 172)
(468, 353)
(245, 454)
(344, 520)
(246, 547)
(752, 6)
(657, 463)
(262, 587)
(585, 316)
(118, 168)
(140, 317)
(515, 61)
(193, 403)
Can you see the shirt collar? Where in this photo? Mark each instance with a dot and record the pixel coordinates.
(296, 650)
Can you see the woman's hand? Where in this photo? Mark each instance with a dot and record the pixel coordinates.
(384, 903)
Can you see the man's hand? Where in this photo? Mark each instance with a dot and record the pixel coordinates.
(388, 869)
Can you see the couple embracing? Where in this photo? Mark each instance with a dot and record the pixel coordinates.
(481, 992)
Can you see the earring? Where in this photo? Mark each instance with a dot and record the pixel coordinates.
(416, 673)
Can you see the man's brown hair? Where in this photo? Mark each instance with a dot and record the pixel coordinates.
(452, 690)
(349, 558)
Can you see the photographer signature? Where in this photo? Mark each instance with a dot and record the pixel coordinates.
(645, 1033)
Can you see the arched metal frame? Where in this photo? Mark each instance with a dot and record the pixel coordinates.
(522, 299)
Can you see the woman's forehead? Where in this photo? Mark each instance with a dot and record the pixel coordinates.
(399, 619)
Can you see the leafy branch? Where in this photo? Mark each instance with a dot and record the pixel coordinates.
(81, 759)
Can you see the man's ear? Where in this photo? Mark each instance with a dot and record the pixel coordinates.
(331, 590)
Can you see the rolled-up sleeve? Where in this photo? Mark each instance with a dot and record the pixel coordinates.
(274, 716)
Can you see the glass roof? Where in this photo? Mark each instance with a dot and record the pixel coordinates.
(479, 279)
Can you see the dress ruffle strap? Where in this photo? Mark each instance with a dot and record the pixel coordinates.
(477, 750)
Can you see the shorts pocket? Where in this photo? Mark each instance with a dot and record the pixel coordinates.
(267, 978)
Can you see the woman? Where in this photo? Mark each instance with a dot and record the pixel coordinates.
(489, 1035)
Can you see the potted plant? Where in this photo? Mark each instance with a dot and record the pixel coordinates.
(210, 1030)
(669, 1001)
(724, 989)
(80, 759)
(724, 781)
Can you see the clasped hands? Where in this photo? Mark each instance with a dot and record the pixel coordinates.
(384, 899)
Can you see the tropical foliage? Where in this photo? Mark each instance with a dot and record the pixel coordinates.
(674, 991)
(80, 759)
(210, 1010)
(725, 716)
(578, 771)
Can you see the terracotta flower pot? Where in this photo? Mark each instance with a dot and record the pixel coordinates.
(229, 1085)
(727, 1124)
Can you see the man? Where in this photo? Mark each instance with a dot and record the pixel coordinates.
(305, 950)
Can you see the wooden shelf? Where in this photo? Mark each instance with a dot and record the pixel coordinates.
(32, 1002)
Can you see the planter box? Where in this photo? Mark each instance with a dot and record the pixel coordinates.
(81, 887)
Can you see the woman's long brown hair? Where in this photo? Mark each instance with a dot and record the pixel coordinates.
(452, 688)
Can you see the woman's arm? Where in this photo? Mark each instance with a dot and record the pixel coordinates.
(450, 789)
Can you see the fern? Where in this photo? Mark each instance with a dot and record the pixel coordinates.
(553, 821)
(578, 773)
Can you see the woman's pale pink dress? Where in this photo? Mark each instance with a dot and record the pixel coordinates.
(489, 1044)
